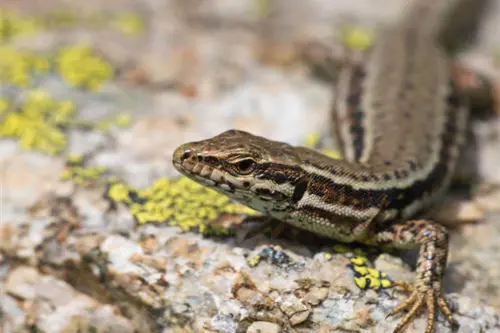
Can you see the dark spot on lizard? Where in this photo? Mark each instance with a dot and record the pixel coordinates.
(300, 189)
(263, 192)
(211, 160)
(280, 178)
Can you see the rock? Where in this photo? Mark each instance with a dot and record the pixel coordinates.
(263, 327)
(21, 282)
(295, 309)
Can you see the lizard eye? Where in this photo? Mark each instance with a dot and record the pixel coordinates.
(246, 166)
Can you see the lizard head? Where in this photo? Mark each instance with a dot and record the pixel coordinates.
(258, 172)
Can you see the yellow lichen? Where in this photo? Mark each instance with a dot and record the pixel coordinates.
(180, 202)
(332, 153)
(359, 261)
(4, 106)
(18, 67)
(39, 123)
(78, 172)
(13, 25)
(361, 282)
(120, 120)
(81, 175)
(80, 67)
(128, 23)
(254, 261)
(366, 277)
(356, 38)
(312, 140)
(386, 283)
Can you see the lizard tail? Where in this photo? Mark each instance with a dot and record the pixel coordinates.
(454, 23)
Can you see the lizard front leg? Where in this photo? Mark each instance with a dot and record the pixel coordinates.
(432, 239)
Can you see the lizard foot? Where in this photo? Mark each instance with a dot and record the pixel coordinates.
(418, 300)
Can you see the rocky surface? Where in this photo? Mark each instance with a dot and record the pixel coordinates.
(72, 262)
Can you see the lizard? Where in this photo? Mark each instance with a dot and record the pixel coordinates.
(400, 118)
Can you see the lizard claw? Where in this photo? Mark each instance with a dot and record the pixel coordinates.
(421, 299)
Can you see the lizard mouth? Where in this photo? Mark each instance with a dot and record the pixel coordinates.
(194, 166)
(186, 162)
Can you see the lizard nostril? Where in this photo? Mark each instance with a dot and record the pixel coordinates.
(186, 155)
